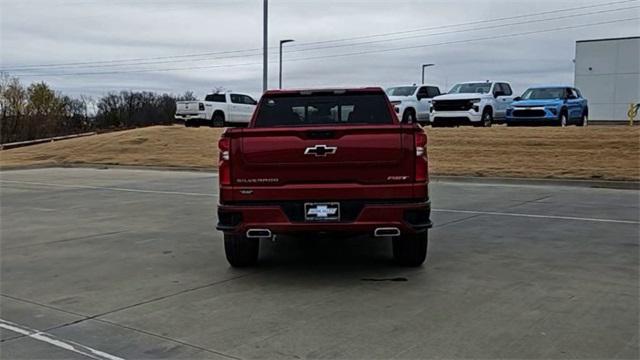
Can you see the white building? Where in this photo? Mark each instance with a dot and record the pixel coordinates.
(607, 71)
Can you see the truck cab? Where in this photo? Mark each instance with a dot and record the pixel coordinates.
(329, 161)
(412, 103)
(477, 103)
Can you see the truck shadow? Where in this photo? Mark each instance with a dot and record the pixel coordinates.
(326, 252)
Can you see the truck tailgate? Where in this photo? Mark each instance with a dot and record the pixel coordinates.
(187, 107)
(375, 154)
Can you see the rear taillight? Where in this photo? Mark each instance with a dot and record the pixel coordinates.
(224, 158)
(201, 106)
(421, 157)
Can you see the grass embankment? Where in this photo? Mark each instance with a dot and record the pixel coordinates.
(596, 152)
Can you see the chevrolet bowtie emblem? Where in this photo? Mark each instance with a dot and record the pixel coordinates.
(320, 150)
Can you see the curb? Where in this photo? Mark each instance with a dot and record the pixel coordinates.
(107, 166)
(607, 184)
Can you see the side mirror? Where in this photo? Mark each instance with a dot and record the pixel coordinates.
(517, 98)
(498, 93)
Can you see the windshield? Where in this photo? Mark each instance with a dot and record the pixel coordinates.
(471, 88)
(323, 109)
(401, 91)
(543, 93)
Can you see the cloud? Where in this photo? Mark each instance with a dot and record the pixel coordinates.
(46, 31)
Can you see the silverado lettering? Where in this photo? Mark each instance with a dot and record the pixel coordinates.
(324, 161)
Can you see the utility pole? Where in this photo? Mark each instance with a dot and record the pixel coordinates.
(280, 66)
(265, 57)
(424, 66)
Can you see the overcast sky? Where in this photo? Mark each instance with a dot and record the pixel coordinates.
(463, 38)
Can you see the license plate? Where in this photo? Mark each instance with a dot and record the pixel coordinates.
(322, 211)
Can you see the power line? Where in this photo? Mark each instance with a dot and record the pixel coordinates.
(468, 23)
(298, 45)
(347, 45)
(343, 54)
(472, 29)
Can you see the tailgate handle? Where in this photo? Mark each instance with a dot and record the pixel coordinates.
(321, 134)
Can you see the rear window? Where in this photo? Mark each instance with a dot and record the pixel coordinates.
(215, 98)
(320, 109)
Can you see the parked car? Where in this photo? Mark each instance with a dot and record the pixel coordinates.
(329, 161)
(549, 105)
(413, 103)
(479, 103)
(219, 109)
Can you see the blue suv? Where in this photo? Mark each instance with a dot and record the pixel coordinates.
(549, 105)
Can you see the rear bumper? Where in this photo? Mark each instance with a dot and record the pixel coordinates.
(360, 216)
(201, 115)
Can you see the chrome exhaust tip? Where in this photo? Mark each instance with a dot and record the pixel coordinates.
(258, 233)
(386, 231)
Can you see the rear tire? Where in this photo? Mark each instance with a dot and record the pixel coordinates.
(410, 249)
(217, 120)
(240, 250)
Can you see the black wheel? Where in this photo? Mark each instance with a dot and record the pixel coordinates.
(217, 120)
(487, 118)
(409, 116)
(410, 250)
(240, 250)
(583, 120)
(563, 119)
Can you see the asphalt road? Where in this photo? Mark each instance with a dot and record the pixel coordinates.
(127, 264)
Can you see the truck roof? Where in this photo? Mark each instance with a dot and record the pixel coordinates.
(416, 85)
(375, 89)
(483, 81)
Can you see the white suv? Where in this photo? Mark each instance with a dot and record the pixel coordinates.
(412, 102)
(478, 103)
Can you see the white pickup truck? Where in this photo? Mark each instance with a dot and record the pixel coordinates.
(478, 103)
(219, 110)
(412, 102)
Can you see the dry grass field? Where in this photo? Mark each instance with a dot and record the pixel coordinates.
(595, 152)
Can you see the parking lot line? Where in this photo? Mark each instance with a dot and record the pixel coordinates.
(538, 216)
(478, 212)
(108, 188)
(57, 342)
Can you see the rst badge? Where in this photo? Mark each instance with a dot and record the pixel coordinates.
(322, 211)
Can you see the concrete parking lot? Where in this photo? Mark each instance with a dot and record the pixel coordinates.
(119, 263)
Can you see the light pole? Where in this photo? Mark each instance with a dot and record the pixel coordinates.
(424, 66)
(265, 29)
(280, 73)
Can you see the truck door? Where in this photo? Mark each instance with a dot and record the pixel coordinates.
(249, 104)
(424, 103)
(502, 93)
(235, 107)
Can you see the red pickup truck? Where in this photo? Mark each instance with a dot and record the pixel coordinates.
(324, 161)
